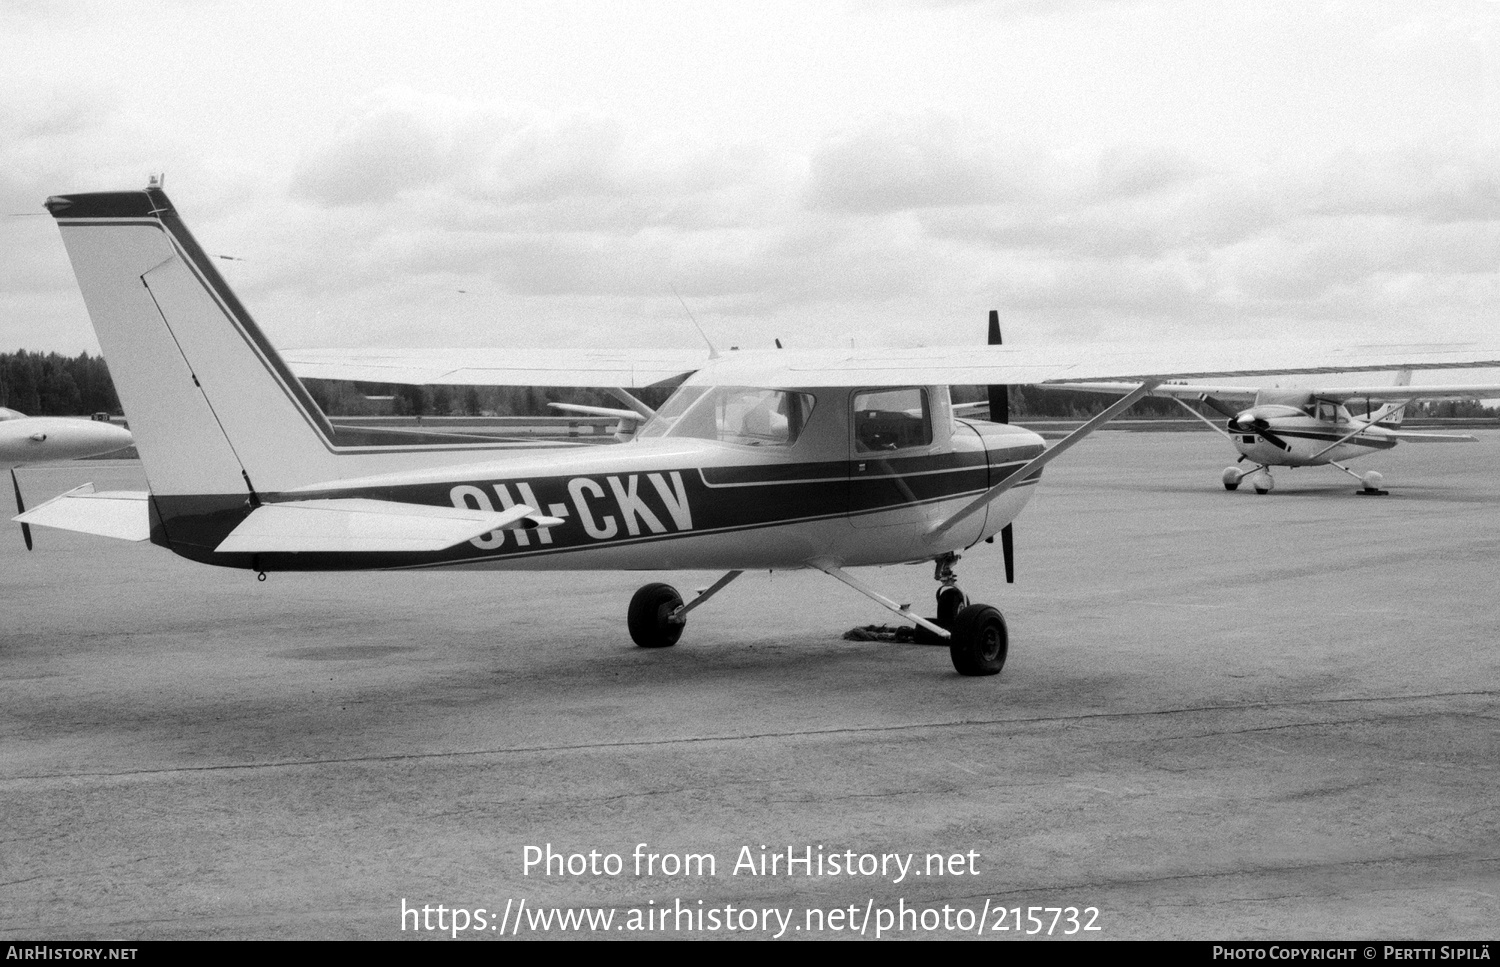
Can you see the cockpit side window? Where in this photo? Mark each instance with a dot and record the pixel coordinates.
(746, 416)
(891, 419)
(1329, 412)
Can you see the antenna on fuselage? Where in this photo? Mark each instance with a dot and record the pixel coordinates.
(712, 352)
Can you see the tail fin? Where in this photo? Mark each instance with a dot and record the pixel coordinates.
(213, 408)
(1390, 414)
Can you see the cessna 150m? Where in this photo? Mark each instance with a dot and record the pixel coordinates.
(760, 460)
(1310, 427)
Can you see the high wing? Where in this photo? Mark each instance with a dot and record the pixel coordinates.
(1070, 364)
(497, 367)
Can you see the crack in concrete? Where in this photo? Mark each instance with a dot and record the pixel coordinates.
(808, 733)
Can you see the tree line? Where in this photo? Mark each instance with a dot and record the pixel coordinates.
(51, 384)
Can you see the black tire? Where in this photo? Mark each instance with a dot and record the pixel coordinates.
(1232, 487)
(980, 641)
(950, 601)
(647, 619)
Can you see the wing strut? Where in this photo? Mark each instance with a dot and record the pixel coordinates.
(1056, 450)
(1211, 424)
(904, 610)
(630, 400)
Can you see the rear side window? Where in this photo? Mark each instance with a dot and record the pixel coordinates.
(891, 419)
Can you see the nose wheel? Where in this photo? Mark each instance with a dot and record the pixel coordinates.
(980, 641)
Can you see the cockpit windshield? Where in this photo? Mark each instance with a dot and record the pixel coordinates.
(733, 414)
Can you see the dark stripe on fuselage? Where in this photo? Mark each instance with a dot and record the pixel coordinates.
(1325, 436)
(597, 510)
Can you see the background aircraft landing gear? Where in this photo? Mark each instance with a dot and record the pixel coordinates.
(1231, 478)
(980, 641)
(1262, 482)
(650, 619)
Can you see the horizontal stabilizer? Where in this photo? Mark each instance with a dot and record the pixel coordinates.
(630, 416)
(357, 524)
(113, 513)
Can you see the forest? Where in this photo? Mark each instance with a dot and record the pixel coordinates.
(50, 384)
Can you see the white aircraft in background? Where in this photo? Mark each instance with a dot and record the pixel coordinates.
(33, 439)
(1310, 427)
(775, 460)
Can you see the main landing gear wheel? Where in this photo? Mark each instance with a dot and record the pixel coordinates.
(650, 616)
(1231, 478)
(1262, 482)
(980, 641)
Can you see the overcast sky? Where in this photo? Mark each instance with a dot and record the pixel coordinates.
(450, 173)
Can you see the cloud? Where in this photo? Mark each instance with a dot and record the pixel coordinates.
(1420, 182)
(477, 159)
(887, 226)
(924, 161)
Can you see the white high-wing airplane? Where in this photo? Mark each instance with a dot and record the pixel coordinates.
(780, 459)
(1310, 427)
(33, 439)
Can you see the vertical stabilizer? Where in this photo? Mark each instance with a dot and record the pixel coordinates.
(213, 408)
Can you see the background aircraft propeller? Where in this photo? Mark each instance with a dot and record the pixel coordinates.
(1260, 426)
(21, 508)
(1218, 406)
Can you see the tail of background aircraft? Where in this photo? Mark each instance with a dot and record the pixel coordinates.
(1390, 414)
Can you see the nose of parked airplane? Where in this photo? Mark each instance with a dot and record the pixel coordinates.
(37, 438)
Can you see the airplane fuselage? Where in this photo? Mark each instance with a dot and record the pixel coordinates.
(31, 439)
(668, 503)
(1287, 436)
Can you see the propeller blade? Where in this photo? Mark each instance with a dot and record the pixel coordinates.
(1272, 438)
(1218, 405)
(21, 508)
(999, 393)
(1000, 413)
